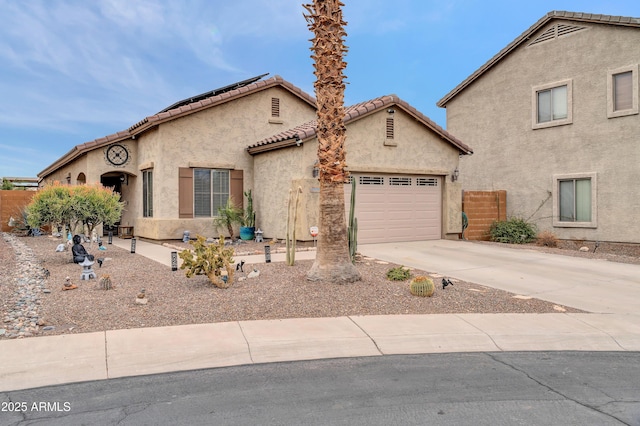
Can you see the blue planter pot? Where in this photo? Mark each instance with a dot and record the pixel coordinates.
(247, 233)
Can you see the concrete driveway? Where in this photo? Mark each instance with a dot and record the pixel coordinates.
(597, 286)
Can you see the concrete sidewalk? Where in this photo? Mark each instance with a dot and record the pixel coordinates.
(162, 254)
(51, 360)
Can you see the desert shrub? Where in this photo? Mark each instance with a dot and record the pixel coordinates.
(213, 260)
(399, 273)
(512, 231)
(547, 239)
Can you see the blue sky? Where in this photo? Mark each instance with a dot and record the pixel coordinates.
(72, 71)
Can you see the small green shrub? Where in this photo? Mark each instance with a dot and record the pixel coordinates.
(399, 273)
(422, 286)
(512, 231)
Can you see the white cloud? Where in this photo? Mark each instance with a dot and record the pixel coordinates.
(380, 17)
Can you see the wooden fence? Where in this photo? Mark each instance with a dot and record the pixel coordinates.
(482, 209)
(11, 205)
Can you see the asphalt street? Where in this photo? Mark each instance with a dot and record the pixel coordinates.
(512, 388)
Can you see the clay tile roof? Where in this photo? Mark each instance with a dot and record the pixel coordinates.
(182, 108)
(555, 14)
(299, 134)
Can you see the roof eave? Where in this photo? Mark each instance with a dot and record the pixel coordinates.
(152, 121)
(79, 150)
(284, 143)
(555, 14)
(359, 111)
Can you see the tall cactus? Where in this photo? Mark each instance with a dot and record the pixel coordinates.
(294, 200)
(352, 229)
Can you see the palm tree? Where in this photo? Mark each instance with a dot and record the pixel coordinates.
(332, 258)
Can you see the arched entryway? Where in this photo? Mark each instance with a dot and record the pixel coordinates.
(119, 181)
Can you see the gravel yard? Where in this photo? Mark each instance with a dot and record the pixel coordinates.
(34, 304)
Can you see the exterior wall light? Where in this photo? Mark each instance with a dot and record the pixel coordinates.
(455, 174)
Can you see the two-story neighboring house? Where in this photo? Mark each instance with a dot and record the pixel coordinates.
(553, 119)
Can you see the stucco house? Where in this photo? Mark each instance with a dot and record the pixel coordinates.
(173, 169)
(553, 119)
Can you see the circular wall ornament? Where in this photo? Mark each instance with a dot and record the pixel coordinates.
(117, 154)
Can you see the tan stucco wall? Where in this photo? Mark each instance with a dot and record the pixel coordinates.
(218, 137)
(215, 138)
(281, 171)
(418, 151)
(494, 116)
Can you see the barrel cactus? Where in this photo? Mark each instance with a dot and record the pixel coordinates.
(422, 286)
(105, 282)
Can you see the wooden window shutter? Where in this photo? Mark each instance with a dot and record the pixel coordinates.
(236, 187)
(185, 193)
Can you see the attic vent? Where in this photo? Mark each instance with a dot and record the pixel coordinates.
(556, 31)
(371, 180)
(389, 128)
(427, 181)
(400, 181)
(275, 107)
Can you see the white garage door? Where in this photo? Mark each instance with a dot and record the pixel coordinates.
(393, 208)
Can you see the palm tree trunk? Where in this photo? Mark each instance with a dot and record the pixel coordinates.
(332, 257)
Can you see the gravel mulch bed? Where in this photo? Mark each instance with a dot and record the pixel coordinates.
(279, 292)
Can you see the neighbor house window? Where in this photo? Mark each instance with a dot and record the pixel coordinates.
(210, 191)
(147, 193)
(622, 91)
(552, 105)
(575, 200)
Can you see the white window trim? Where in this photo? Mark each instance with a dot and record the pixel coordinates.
(534, 105)
(594, 200)
(634, 77)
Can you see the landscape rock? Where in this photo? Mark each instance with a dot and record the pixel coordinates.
(30, 282)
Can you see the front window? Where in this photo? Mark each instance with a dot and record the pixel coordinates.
(575, 200)
(552, 105)
(210, 191)
(147, 193)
